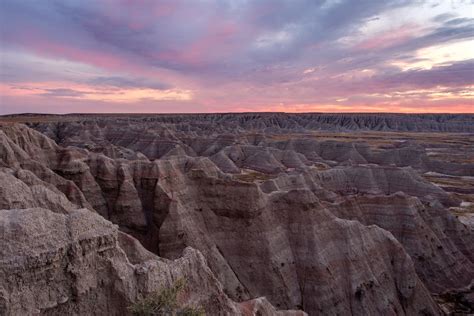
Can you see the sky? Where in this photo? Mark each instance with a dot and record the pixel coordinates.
(181, 56)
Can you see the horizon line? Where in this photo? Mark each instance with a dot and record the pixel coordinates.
(227, 113)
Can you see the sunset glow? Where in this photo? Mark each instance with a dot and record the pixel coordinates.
(228, 56)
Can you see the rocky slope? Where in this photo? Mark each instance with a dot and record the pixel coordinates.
(327, 226)
(59, 259)
(75, 264)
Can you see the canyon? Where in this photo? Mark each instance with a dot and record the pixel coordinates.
(260, 213)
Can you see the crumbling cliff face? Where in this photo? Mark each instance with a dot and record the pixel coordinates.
(59, 259)
(324, 226)
(66, 264)
(80, 264)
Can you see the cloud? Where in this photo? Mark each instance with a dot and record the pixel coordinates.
(62, 92)
(223, 54)
(456, 75)
(124, 82)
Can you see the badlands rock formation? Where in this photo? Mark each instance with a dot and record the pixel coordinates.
(99, 211)
(60, 259)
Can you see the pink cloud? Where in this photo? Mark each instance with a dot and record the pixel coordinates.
(389, 38)
(460, 106)
(101, 59)
(216, 43)
(210, 52)
(36, 41)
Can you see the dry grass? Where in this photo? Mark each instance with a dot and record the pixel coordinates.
(320, 166)
(377, 139)
(253, 176)
(449, 181)
(164, 303)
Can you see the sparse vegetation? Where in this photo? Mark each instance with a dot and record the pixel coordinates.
(251, 176)
(164, 303)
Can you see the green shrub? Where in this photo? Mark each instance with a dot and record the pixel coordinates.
(191, 311)
(164, 303)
